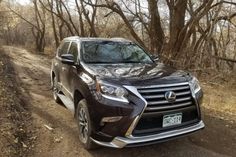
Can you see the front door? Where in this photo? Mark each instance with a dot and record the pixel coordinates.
(63, 49)
(71, 71)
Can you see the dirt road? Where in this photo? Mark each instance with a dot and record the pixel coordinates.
(61, 139)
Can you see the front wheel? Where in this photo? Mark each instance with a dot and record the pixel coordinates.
(84, 125)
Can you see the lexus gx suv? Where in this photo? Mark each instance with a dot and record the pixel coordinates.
(121, 96)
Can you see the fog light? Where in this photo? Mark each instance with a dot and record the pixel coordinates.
(111, 119)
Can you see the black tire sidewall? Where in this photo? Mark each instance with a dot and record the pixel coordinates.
(83, 104)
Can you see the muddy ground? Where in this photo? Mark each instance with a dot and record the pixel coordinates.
(53, 131)
(15, 116)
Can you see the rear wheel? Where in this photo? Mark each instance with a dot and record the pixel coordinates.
(55, 90)
(84, 125)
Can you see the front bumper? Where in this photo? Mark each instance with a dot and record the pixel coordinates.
(120, 142)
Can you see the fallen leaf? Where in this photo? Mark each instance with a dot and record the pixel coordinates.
(24, 145)
(48, 127)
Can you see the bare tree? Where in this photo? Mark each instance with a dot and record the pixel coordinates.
(177, 10)
(90, 19)
(81, 21)
(39, 33)
(59, 14)
(51, 4)
(114, 7)
(38, 28)
(156, 32)
(176, 29)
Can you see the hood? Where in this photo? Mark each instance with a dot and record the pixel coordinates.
(127, 73)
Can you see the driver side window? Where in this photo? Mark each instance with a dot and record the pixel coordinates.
(63, 49)
(74, 51)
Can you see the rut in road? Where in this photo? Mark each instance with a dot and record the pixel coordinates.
(56, 130)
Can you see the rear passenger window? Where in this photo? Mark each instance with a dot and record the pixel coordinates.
(74, 50)
(63, 49)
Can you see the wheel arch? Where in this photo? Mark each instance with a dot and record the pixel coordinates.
(77, 97)
(52, 77)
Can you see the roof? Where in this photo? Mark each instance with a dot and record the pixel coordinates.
(97, 39)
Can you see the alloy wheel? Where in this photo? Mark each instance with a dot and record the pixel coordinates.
(83, 125)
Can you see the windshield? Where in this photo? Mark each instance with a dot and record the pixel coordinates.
(113, 52)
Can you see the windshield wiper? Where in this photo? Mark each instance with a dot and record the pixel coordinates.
(131, 62)
(99, 62)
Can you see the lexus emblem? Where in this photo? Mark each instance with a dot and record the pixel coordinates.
(170, 96)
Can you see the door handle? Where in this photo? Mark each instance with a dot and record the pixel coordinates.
(63, 68)
(56, 64)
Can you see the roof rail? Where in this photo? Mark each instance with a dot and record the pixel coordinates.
(120, 39)
(72, 37)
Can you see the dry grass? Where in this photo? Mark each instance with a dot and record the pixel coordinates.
(220, 96)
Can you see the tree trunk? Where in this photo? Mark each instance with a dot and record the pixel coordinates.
(155, 29)
(177, 12)
(40, 35)
(79, 10)
(53, 23)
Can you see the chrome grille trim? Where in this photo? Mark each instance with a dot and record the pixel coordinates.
(143, 97)
(155, 96)
(167, 102)
(162, 85)
(158, 104)
(136, 120)
(168, 107)
(162, 95)
(162, 89)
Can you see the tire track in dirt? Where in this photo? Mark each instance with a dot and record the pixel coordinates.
(62, 140)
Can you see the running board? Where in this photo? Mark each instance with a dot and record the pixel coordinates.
(67, 102)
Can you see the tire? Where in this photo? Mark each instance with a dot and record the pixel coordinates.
(84, 125)
(55, 90)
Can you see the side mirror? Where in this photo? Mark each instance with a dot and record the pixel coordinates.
(155, 57)
(67, 59)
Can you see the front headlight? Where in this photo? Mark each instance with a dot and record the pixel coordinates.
(195, 85)
(112, 92)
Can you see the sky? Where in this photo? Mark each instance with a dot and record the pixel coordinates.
(23, 1)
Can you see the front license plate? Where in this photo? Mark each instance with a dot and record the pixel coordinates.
(172, 119)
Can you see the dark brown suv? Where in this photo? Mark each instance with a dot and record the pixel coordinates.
(121, 96)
